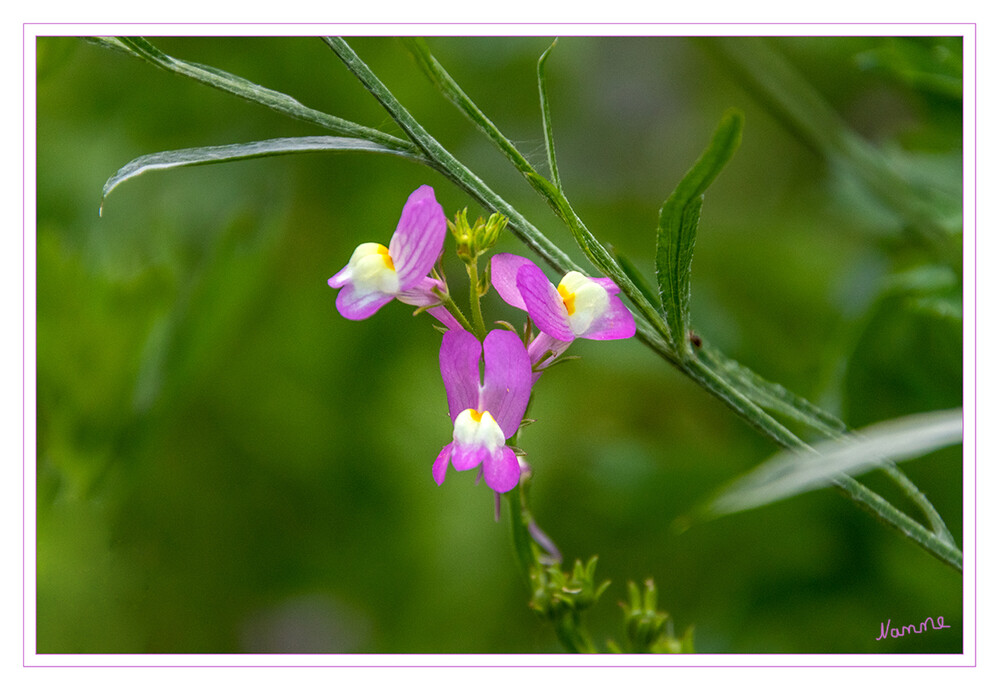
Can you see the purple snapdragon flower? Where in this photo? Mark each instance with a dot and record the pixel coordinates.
(580, 307)
(376, 274)
(485, 412)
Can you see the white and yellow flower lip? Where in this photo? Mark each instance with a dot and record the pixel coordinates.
(584, 300)
(477, 437)
(371, 269)
(376, 274)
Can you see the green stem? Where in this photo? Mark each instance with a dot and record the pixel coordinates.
(594, 251)
(522, 542)
(448, 303)
(546, 116)
(473, 299)
(572, 635)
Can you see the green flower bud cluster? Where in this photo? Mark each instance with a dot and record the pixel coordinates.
(648, 630)
(475, 240)
(557, 594)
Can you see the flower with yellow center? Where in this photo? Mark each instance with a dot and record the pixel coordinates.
(376, 274)
(580, 307)
(486, 410)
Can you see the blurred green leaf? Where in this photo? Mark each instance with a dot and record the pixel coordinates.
(931, 64)
(678, 220)
(790, 473)
(782, 89)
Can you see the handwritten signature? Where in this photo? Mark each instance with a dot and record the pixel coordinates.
(888, 631)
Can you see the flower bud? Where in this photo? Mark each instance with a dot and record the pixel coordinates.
(478, 238)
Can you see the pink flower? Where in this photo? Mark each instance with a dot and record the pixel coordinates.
(376, 274)
(488, 412)
(580, 307)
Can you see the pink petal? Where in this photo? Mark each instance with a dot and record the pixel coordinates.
(507, 386)
(503, 275)
(422, 293)
(419, 237)
(542, 351)
(356, 306)
(440, 464)
(542, 345)
(501, 470)
(614, 324)
(467, 457)
(339, 279)
(459, 362)
(543, 303)
(607, 284)
(445, 317)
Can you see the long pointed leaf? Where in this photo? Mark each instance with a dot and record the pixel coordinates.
(546, 115)
(678, 221)
(204, 155)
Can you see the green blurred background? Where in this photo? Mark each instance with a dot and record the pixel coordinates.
(227, 465)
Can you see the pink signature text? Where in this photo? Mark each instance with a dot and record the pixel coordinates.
(888, 631)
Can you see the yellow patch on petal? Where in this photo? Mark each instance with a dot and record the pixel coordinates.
(383, 250)
(568, 299)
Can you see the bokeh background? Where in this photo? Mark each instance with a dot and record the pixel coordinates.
(227, 465)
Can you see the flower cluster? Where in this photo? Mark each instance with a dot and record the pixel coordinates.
(488, 409)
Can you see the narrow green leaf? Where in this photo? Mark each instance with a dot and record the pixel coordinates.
(936, 542)
(790, 473)
(204, 155)
(238, 86)
(678, 221)
(546, 115)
